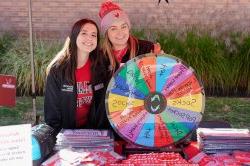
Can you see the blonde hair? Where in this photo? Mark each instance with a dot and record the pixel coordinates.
(108, 51)
(62, 55)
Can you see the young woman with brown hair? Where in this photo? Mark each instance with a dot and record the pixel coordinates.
(76, 81)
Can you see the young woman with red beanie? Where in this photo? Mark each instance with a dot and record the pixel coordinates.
(119, 45)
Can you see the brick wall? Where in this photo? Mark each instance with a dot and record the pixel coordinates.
(55, 17)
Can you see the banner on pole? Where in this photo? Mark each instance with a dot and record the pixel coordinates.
(7, 90)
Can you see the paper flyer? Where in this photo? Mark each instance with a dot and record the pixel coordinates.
(15, 144)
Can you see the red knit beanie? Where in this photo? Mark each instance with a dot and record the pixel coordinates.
(111, 12)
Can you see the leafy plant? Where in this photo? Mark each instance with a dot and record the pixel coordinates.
(6, 41)
(222, 63)
(205, 55)
(17, 62)
(242, 66)
(139, 33)
(202, 52)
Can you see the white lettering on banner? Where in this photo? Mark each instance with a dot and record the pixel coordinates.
(9, 86)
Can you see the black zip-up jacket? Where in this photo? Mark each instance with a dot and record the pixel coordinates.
(60, 100)
(142, 48)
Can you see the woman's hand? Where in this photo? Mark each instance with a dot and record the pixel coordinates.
(157, 49)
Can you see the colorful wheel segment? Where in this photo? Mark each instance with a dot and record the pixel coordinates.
(155, 100)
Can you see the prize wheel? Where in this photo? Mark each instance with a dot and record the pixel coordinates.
(154, 101)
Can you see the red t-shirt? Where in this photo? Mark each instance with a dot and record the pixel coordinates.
(84, 93)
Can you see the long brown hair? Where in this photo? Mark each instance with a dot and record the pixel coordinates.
(108, 51)
(65, 61)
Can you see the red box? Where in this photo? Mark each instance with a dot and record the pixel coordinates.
(7, 90)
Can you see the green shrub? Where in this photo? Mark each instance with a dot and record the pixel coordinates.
(171, 44)
(17, 62)
(223, 65)
(202, 52)
(139, 33)
(242, 66)
(145, 34)
(238, 48)
(6, 41)
(205, 55)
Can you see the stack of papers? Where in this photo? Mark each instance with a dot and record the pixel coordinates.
(226, 140)
(87, 139)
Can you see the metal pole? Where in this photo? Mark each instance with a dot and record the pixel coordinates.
(32, 64)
